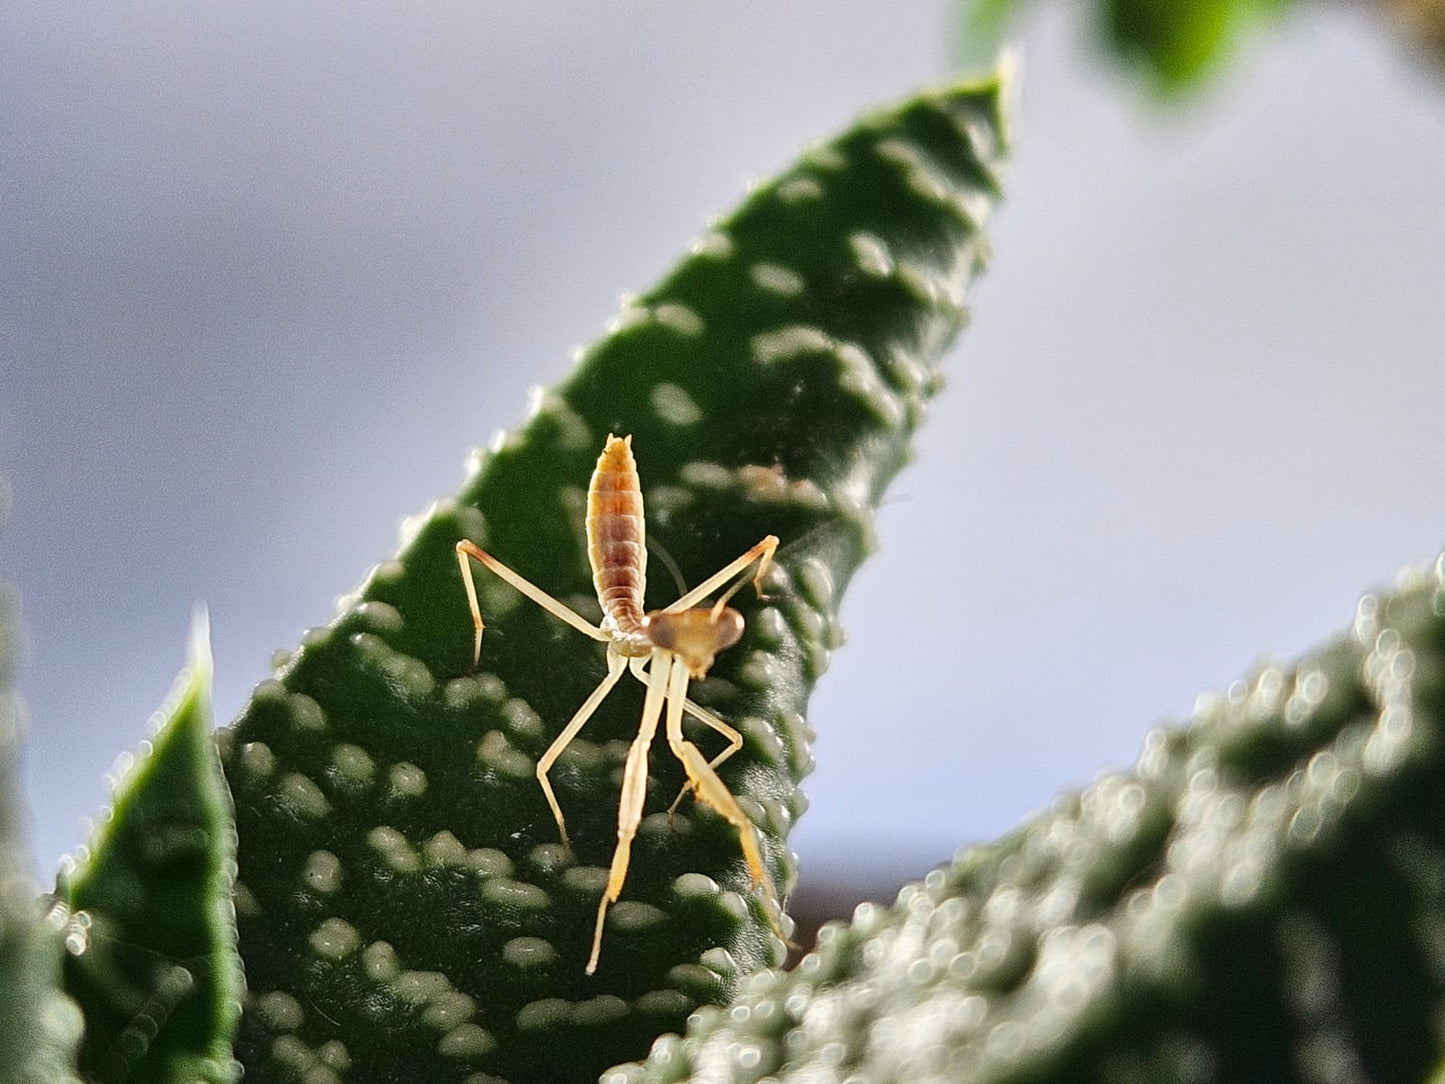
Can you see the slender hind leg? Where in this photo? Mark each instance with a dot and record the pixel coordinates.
(634, 791)
(711, 790)
(702, 715)
(762, 553)
(615, 665)
(466, 548)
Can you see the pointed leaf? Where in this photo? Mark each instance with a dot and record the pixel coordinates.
(407, 907)
(153, 960)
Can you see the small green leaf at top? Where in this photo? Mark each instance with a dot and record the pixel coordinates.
(150, 931)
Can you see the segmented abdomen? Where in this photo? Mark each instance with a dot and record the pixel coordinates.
(615, 535)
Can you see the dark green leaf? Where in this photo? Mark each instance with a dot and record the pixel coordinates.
(407, 910)
(153, 960)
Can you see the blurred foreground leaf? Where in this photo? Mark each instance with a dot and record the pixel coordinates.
(1262, 898)
(151, 930)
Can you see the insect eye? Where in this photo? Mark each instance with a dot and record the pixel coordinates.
(729, 628)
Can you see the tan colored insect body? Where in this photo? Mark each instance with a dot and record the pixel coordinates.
(664, 649)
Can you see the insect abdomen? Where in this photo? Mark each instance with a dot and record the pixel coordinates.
(616, 544)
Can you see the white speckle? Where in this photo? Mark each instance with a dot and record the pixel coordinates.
(799, 190)
(706, 475)
(303, 796)
(695, 886)
(317, 637)
(393, 849)
(825, 157)
(335, 939)
(666, 501)
(759, 671)
(549, 858)
(389, 571)
(871, 254)
(769, 626)
(322, 872)
(635, 915)
(762, 739)
(334, 1054)
(407, 675)
(504, 892)
(777, 279)
(291, 1051)
(380, 617)
(546, 1015)
(816, 582)
(573, 432)
(521, 720)
(663, 1003)
(585, 880)
(306, 713)
(719, 960)
(680, 318)
(495, 752)
(470, 523)
(712, 246)
(444, 849)
(922, 178)
(489, 862)
(449, 1009)
(674, 405)
(599, 1011)
(420, 986)
(282, 1011)
(472, 689)
(245, 900)
(380, 962)
(407, 528)
(466, 1041)
(270, 689)
(257, 760)
(631, 316)
(770, 485)
(528, 952)
(407, 780)
(354, 768)
(769, 347)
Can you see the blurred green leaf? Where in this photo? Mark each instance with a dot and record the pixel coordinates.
(151, 932)
(39, 1026)
(1261, 898)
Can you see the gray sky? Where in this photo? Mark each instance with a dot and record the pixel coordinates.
(272, 268)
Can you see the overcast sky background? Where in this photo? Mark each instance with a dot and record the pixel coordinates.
(269, 269)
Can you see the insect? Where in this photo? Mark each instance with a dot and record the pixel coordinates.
(664, 649)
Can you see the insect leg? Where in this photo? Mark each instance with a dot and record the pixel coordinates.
(634, 791)
(735, 740)
(761, 553)
(713, 792)
(466, 548)
(615, 665)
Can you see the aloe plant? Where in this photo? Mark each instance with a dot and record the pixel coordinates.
(1260, 898)
(405, 902)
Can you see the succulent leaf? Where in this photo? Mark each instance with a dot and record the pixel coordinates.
(151, 929)
(39, 1025)
(1260, 898)
(407, 910)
